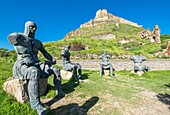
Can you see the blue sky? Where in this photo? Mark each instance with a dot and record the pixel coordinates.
(55, 18)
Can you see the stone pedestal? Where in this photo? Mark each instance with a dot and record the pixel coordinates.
(106, 72)
(18, 88)
(66, 75)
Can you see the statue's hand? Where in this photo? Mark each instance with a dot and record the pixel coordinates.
(50, 62)
(63, 55)
(54, 62)
(28, 61)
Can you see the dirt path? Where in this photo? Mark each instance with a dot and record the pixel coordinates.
(148, 104)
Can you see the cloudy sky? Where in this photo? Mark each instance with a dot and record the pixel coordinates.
(55, 18)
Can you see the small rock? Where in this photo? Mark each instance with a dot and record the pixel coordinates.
(66, 75)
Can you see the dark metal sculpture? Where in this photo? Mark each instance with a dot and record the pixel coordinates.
(29, 67)
(105, 63)
(68, 66)
(138, 63)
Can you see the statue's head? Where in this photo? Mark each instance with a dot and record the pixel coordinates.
(105, 52)
(30, 28)
(67, 47)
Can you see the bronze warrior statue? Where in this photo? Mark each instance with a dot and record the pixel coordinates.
(68, 66)
(29, 67)
(138, 63)
(105, 63)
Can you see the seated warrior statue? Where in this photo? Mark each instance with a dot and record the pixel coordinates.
(105, 63)
(138, 63)
(29, 67)
(68, 66)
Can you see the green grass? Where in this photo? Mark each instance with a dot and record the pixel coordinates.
(94, 94)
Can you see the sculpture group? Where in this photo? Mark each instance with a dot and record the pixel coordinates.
(28, 67)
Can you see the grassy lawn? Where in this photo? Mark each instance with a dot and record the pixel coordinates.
(125, 93)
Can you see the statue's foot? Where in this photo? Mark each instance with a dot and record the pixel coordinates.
(41, 110)
(76, 78)
(80, 77)
(60, 94)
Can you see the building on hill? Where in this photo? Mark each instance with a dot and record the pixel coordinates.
(102, 16)
(152, 36)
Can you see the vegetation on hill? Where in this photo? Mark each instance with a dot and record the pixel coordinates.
(126, 44)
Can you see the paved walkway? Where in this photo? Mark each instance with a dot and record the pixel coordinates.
(154, 64)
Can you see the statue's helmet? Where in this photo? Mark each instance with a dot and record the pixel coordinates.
(30, 28)
(67, 47)
(105, 52)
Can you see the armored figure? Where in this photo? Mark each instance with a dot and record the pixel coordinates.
(138, 63)
(29, 67)
(105, 63)
(68, 66)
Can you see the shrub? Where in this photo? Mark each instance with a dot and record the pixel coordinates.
(77, 46)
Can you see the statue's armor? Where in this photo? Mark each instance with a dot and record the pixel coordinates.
(138, 63)
(105, 64)
(24, 54)
(105, 60)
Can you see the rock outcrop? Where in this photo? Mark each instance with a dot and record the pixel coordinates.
(152, 36)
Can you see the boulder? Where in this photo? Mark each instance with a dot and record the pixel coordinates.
(66, 75)
(18, 88)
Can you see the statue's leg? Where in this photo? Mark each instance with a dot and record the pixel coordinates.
(57, 82)
(101, 70)
(46, 71)
(111, 70)
(79, 70)
(136, 68)
(145, 68)
(75, 72)
(33, 91)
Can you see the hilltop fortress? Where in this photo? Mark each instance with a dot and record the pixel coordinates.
(102, 16)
